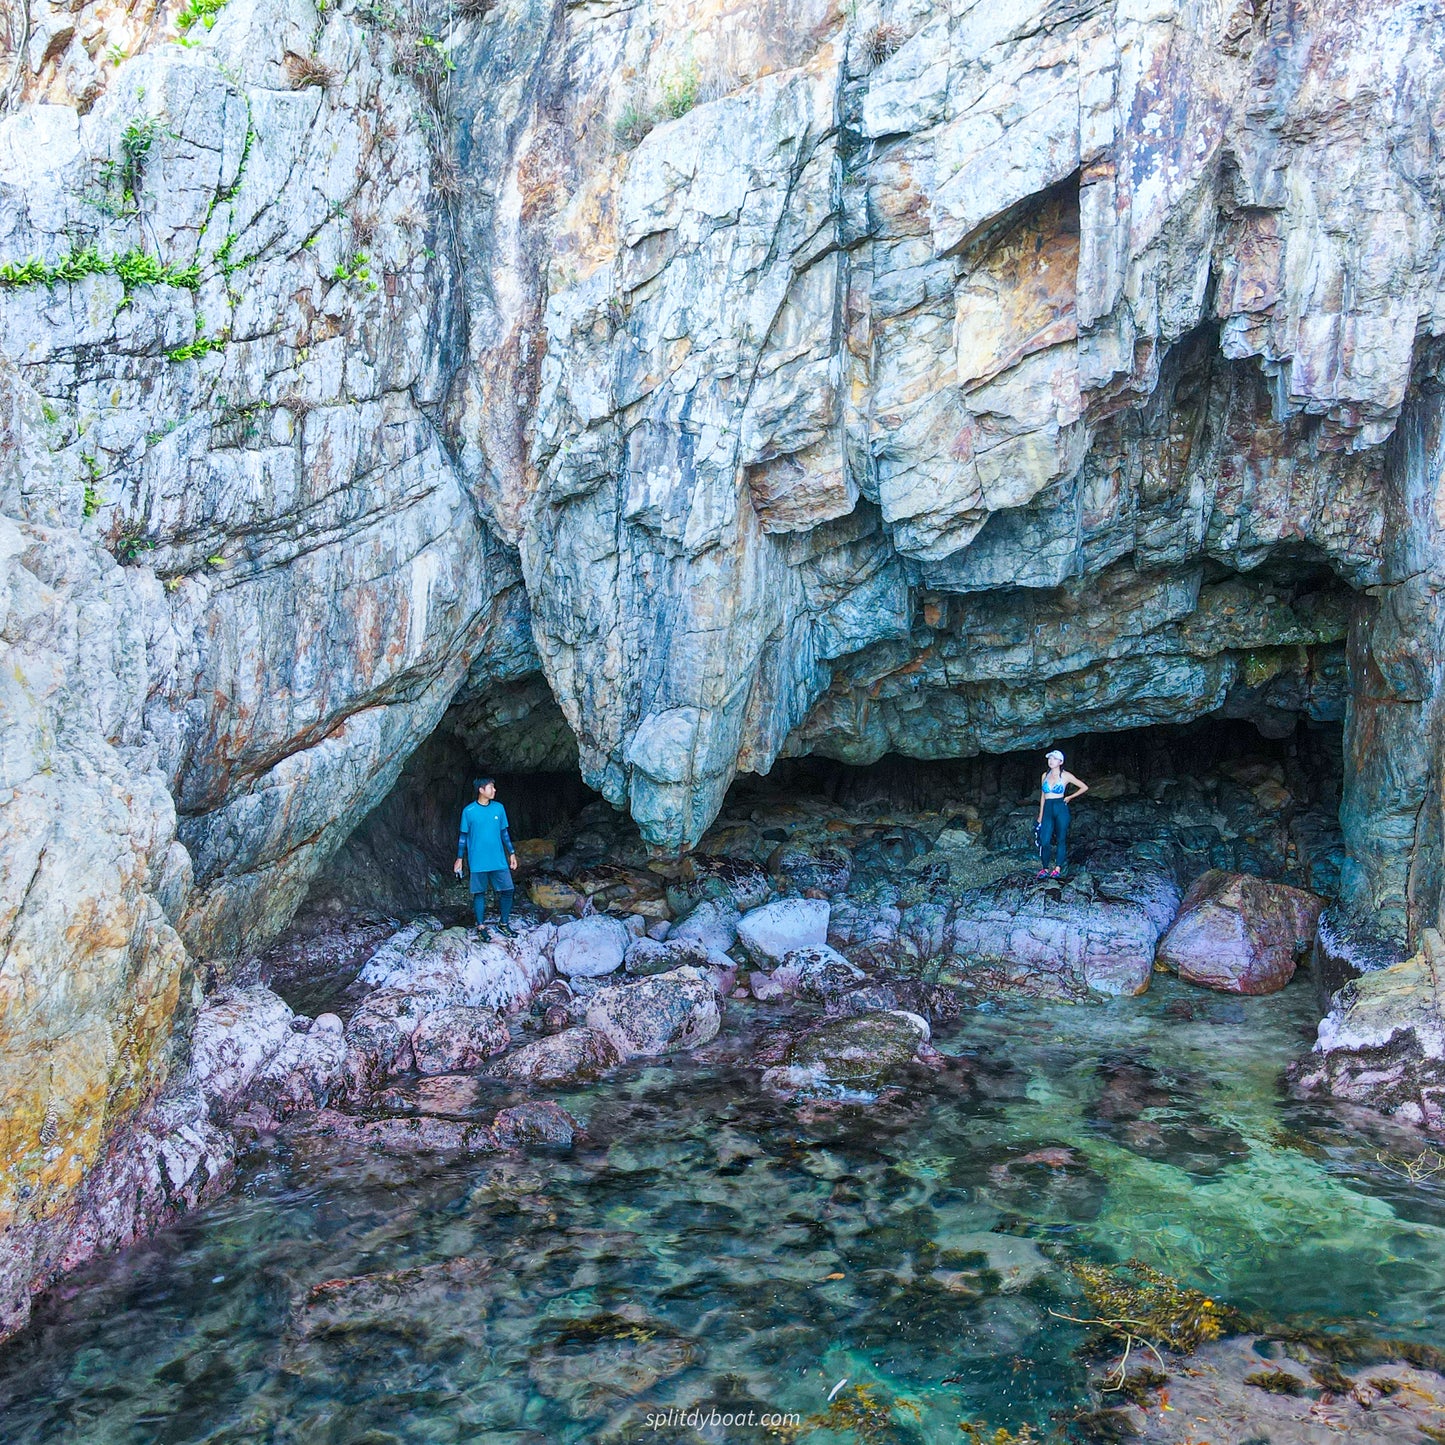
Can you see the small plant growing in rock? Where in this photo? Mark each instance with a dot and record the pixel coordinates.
(631, 125)
(203, 345)
(199, 12)
(882, 41)
(364, 226)
(357, 269)
(130, 544)
(424, 59)
(380, 13)
(304, 70)
(91, 500)
(680, 91)
(298, 405)
(446, 177)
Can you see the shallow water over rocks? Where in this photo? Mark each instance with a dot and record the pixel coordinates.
(708, 1244)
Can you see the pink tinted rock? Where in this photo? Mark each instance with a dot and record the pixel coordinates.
(561, 1058)
(1240, 934)
(453, 1039)
(536, 1122)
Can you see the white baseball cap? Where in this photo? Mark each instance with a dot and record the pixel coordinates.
(1052, 754)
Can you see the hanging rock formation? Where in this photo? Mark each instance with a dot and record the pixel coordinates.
(762, 379)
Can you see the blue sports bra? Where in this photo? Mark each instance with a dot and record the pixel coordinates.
(1054, 790)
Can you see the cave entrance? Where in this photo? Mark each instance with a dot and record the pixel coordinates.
(1212, 793)
(1215, 793)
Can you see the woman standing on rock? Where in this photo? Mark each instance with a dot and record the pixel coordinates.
(1054, 800)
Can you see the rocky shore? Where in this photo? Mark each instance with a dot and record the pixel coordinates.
(858, 927)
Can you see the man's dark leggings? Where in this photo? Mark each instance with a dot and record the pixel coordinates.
(1054, 832)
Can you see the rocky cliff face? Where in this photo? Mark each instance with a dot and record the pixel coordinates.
(928, 378)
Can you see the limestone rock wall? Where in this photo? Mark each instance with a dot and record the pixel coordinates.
(758, 378)
(950, 299)
(242, 575)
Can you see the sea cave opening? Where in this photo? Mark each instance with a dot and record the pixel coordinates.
(1219, 792)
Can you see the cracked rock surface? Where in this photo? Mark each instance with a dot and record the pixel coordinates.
(938, 378)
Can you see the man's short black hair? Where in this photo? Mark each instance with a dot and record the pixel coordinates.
(479, 783)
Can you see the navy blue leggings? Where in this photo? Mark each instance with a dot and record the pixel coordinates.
(1054, 832)
(504, 903)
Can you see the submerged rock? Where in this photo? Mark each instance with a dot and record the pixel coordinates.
(417, 1133)
(1240, 934)
(536, 1122)
(768, 934)
(859, 1051)
(1247, 1388)
(562, 1058)
(1383, 1043)
(593, 1364)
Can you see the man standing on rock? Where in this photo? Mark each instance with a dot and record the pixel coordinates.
(486, 846)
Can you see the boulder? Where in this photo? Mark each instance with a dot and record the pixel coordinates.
(378, 1038)
(248, 1046)
(1240, 934)
(646, 956)
(538, 1121)
(534, 853)
(738, 881)
(459, 968)
(416, 1134)
(554, 895)
(656, 1015)
(562, 1058)
(768, 934)
(591, 947)
(860, 1051)
(722, 973)
(881, 848)
(1382, 1045)
(863, 1047)
(623, 890)
(1056, 942)
(822, 972)
(713, 923)
(816, 869)
(457, 1038)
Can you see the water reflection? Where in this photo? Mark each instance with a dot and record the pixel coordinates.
(707, 1245)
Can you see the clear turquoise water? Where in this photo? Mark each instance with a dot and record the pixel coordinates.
(682, 1254)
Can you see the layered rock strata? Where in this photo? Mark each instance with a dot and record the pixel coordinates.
(930, 378)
